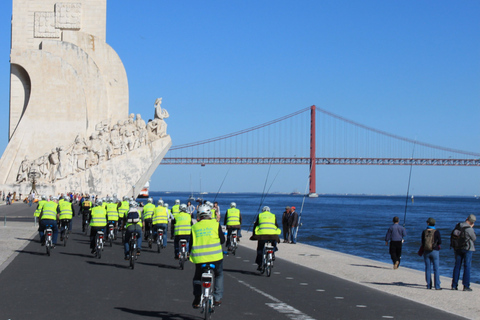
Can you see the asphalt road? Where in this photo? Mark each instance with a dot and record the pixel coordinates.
(73, 284)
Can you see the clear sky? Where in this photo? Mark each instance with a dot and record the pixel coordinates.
(411, 68)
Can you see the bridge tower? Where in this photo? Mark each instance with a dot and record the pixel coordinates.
(313, 158)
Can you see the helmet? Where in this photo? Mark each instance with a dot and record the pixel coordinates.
(208, 203)
(160, 202)
(99, 202)
(233, 205)
(104, 199)
(66, 198)
(177, 201)
(183, 207)
(204, 212)
(166, 205)
(131, 199)
(266, 208)
(114, 195)
(109, 199)
(133, 204)
(125, 198)
(44, 197)
(150, 200)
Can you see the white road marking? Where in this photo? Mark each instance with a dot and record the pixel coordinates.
(303, 284)
(339, 298)
(361, 306)
(278, 305)
(320, 290)
(387, 317)
(289, 278)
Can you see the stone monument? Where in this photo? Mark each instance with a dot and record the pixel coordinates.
(69, 118)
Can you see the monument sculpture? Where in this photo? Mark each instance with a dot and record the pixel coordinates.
(69, 120)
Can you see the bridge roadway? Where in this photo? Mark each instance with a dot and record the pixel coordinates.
(72, 284)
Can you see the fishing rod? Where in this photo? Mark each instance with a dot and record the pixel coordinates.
(221, 184)
(303, 202)
(408, 187)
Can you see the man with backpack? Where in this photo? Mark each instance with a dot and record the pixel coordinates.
(431, 242)
(462, 241)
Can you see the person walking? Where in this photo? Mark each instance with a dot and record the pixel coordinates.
(464, 254)
(431, 242)
(293, 224)
(395, 235)
(286, 229)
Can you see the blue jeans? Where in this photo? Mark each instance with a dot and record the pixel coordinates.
(293, 234)
(432, 257)
(197, 280)
(465, 257)
(164, 227)
(128, 234)
(43, 225)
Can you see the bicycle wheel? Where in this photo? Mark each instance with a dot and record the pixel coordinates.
(65, 237)
(207, 310)
(133, 255)
(268, 269)
(182, 262)
(111, 241)
(159, 246)
(47, 246)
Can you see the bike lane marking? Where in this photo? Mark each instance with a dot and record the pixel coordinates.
(277, 304)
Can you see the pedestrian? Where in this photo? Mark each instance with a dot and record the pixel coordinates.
(431, 242)
(293, 224)
(464, 254)
(395, 235)
(286, 229)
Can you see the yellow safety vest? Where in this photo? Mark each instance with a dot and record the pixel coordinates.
(112, 213)
(148, 211)
(65, 210)
(233, 217)
(49, 211)
(124, 206)
(41, 203)
(183, 224)
(99, 217)
(266, 224)
(160, 215)
(87, 204)
(175, 209)
(206, 242)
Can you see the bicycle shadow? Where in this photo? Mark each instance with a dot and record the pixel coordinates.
(368, 266)
(159, 314)
(34, 253)
(160, 265)
(29, 239)
(399, 284)
(249, 273)
(119, 266)
(77, 254)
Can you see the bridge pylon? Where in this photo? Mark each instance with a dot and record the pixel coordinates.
(313, 158)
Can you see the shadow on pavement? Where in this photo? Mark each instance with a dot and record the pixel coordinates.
(78, 254)
(160, 265)
(399, 284)
(250, 273)
(369, 266)
(28, 239)
(120, 266)
(159, 314)
(35, 253)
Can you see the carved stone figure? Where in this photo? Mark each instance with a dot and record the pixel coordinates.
(23, 170)
(53, 160)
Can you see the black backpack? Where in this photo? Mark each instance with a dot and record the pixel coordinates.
(133, 216)
(428, 239)
(458, 238)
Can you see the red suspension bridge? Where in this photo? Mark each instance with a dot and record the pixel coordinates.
(292, 139)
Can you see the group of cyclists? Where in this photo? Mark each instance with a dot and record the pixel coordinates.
(203, 233)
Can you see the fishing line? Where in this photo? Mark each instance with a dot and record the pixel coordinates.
(303, 202)
(262, 197)
(221, 184)
(408, 187)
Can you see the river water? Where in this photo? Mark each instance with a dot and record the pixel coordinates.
(357, 224)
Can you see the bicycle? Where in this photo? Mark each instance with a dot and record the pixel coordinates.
(86, 225)
(233, 241)
(183, 253)
(150, 237)
(159, 239)
(111, 232)
(133, 248)
(208, 286)
(64, 231)
(267, 258)
(48, 238)
(99, 238)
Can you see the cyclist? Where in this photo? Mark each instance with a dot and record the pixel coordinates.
(233, 220)
(86, 209)
(98, 222)
(112, 212)
(40, 206)
(148, 211)
(66, 214)
(160, 220)
(49, 216)
(123, 208)
(265, 228)
(182, 223)
(133, 224)
(174, 211)
(206, 247)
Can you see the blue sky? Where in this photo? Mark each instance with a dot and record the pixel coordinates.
(410, 68)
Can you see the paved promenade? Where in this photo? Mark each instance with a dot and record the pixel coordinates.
(307, 283)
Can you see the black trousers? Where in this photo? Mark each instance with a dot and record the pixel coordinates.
(395, 250)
